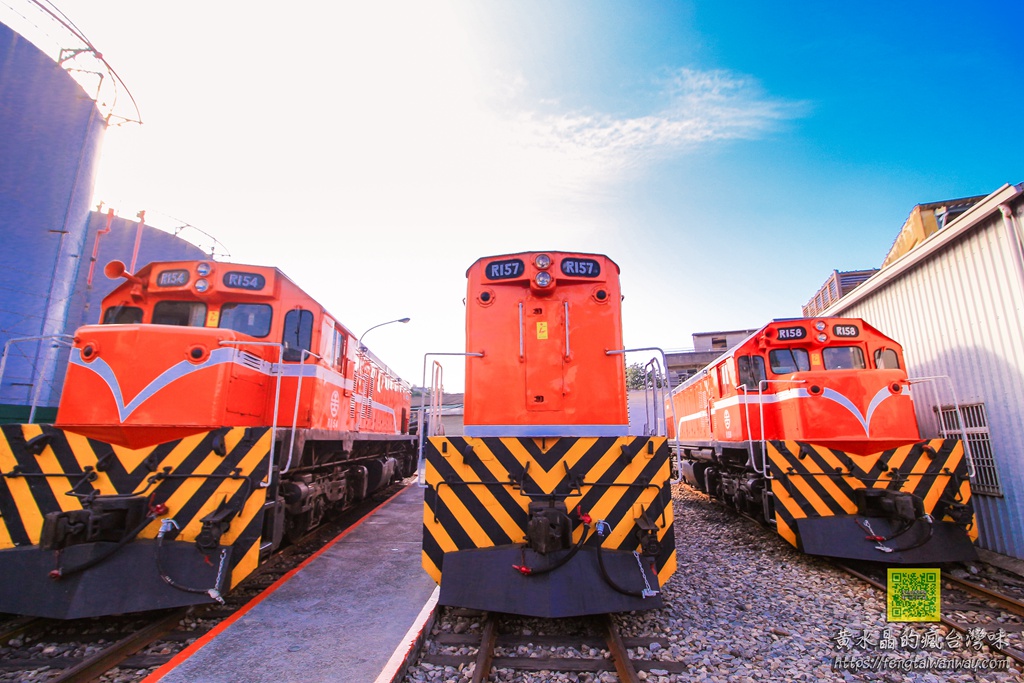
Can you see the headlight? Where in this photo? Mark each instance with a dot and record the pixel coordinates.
(820, 325)
(543, 261)
(823, 338)
(202, 285)
(204, 269)
(543, 279)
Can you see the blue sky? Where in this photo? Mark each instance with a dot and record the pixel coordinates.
(727, 156)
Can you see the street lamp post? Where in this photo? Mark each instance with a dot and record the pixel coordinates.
(362, 348)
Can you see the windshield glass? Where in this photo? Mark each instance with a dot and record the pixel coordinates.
(843, 358)
(251, 319)
(786, 361)
(122, 315)
(184, 313)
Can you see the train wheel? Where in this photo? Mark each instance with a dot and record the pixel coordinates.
(297, 526)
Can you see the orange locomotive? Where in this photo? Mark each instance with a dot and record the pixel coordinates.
(809, 424)
(547, 506)
(216, 409)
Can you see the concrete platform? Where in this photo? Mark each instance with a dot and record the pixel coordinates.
(348, 614)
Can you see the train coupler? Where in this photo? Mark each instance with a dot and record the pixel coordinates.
(101, 519)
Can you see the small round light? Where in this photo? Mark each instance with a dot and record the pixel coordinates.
(542, 261)
(202, 285)
(204, 269)
(822, 338)
(543, 279)
(819, 326)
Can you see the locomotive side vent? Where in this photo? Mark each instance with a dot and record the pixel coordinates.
(250, 361)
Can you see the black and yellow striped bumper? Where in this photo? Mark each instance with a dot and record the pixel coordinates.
(98, 510)
(815, 491)
(479, 490)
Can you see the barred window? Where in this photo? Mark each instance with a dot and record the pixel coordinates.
(975, 432)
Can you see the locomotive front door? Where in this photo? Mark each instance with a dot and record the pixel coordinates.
(544, 350)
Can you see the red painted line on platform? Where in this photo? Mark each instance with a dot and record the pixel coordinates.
(216, 630)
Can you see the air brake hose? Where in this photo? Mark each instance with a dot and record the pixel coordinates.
(928, 519)
(212, 592)
(60, 573)
(604, 572)
(529, 571)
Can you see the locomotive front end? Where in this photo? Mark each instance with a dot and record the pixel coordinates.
(216, 412)
(547, 506)
(810, 425)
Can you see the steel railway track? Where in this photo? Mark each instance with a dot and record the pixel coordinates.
(999, 606)
(603, 636)
(133, 633)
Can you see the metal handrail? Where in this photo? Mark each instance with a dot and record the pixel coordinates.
(766, 471)
(971, 471)
(277, 398)
(565, 304)
(654, 367)
(522, 343)
(672, 407)
(436, 399)
(419, 430)
(746, 424)
(61, 339)
(298, 397)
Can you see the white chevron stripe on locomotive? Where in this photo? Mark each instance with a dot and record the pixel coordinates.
(755, 400)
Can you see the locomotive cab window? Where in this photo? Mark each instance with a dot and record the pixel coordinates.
(886, 359)
(751, 371)
(843, 358)
(298, 333)
(786, 361)
(122, 315)
(251, 319)
(182, 313)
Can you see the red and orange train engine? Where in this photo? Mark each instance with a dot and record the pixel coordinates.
(547, 506)
(810, 425)
(215, 410)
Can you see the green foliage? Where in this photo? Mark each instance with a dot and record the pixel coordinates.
(637, 377)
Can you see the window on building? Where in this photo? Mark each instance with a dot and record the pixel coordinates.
(786, 361)
(251, 319)
(886, 359)
(719, 343)
(183, 313)
(975, 433)
(843, 358)
(751, 371)
(298, 333)
(122, 315)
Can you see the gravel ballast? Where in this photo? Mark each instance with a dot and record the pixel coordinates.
(745, 606)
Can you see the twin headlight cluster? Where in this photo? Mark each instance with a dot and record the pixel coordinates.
(202, 270)
(820, 327)
(543, 278)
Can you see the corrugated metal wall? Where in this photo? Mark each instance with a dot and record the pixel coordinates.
(960, 313)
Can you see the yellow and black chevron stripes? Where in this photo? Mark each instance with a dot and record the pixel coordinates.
(44, 469)
(814, 481)
(479, 489)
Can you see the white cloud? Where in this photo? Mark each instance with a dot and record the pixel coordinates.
(702, 107)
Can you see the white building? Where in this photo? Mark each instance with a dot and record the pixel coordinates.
(956, 304)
